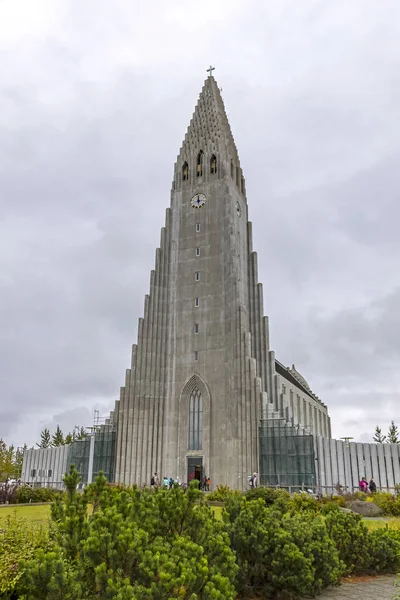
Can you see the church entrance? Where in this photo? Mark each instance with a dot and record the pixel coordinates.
(195, 468)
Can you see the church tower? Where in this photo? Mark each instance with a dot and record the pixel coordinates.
(201, 369)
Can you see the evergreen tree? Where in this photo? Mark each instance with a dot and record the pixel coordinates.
(7, 456)
(393, 434)
(379, 437)
(80, 433)
(45, 439)
(69, 438)
(58, 437)
(18, 459)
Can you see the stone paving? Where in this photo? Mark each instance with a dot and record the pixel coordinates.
(376, 588)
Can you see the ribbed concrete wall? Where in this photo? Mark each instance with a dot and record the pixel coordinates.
(45, 467)
(346, 463)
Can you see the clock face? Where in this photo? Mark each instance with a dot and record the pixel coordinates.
(198, 200)
(238, 209)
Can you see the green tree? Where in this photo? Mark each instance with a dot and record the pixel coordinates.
(393, 434)
(18, 460)
(45, 439)
(379, 437)
(69, 438)
(7, 461)
(135, 544)
(80, 433)
(58, 437)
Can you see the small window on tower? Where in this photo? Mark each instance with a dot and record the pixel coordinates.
(196, 355)
(196, 302)
(199, 168)
(213, 164)
(197, 276)
(185, 171)
(197, 251)
(197, 227)
(232, 169)
(196, 328)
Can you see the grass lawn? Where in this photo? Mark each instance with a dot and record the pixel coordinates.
(217, 510)
(39, 513)
(391, 522)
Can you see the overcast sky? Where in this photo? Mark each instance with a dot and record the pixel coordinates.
(95, 99)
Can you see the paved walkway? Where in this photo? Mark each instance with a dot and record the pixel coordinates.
(376, 588)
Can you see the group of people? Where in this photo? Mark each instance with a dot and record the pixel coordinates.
(168, 483)
(365, 486)
(205, 484)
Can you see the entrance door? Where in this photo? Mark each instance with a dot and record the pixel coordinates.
(195, 468)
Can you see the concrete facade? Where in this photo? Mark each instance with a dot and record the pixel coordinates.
(45, 467)
(347, 462)
(204, 334)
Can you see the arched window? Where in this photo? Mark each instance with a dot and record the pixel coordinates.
(213, 164)
(185, 171)
(195, 420)
(199, 170)
(232, 169)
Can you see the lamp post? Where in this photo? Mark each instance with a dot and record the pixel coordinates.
(347, 440)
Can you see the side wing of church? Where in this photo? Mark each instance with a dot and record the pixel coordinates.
(202, 374)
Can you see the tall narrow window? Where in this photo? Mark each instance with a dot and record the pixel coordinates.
(232, 169)
(195, 420)
(197, 276)
(185, 171)
(197, 227)
(213, 164)
(197, 251)
(196, 328)
(196, 355)
(199, 168)
(196, 302)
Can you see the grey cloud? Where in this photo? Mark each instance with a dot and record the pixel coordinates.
(93, 112)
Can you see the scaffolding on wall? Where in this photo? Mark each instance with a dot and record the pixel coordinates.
(104, 453)
(287, 456)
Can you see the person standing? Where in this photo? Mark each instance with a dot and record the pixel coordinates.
(372, 486)
(208, 484)
(363, 485)
(156, 480)
(255, 480)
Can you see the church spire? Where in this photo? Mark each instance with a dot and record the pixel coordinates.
(208, 147)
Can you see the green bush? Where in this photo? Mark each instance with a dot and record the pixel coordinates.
(139, 544)
(303, 502)
(280, 498)
(389, 504)
(275, 553)
(27, 494)
(330, 507)
(384, 550)
(222, 494)
(350, 536)
(20, 540)
(338, 500)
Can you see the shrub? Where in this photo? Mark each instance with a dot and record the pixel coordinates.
(280, 498)
(19, 540)
(303, 502)
(136, 544)
(389, 504)
(222, 494)
(8, 493)
(27, 494)
(350, 536)
(384, 550)
(291, 554)
(330, 507)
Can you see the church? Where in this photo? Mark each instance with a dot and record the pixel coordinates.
(202, 373)
(204, 395)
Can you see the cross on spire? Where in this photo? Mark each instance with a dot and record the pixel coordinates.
(210, 70)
